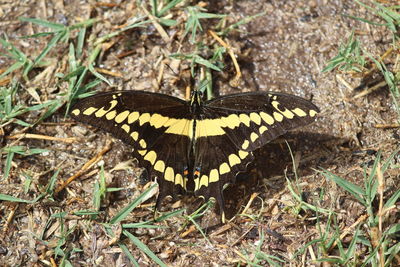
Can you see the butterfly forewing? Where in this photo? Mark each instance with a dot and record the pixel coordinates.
(156, 125)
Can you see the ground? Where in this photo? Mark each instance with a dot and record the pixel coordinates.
(285, 49)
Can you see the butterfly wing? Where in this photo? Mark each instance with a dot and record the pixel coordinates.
(232, 127)
(156, 125)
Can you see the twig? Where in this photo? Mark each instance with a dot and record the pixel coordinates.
(191, 229)
(53, 262)
(242, 236)
(87, 165)
(235, 81)
(9, 218)
(348, 229)
(387, 126)
(252, 197)
(344, 82)
(381, 188)
(159, 28)
(371, 89)
(43, 137)
(110, 73)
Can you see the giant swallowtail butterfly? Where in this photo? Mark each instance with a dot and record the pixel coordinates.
(194, 146)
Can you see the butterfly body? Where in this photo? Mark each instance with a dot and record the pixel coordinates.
(194, 146)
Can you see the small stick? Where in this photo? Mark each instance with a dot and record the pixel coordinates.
(87, 165)
(159, 28)
(344, 82)
(387, 126)
(252, 197)
(191, 229)
(348, 229)
(242, 236)
(235, 80)
(9, 218)
(53, 262)
(381, 188)
(108, 72)
(43, 137)
(371, 89)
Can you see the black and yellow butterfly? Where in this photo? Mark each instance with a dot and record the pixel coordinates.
(194, 146)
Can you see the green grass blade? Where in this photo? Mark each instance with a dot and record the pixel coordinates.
(44, 23)
(170, 5)
(125, 249)
(52, 183)
(13, 199)
(125, 211)
(13, 67)
(45, 51)
(204, 62)
(144, 248)
(353, 189)
(7, 167)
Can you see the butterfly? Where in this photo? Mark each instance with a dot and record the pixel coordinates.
(197, 145)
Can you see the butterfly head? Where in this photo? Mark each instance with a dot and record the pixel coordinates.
(195, 100)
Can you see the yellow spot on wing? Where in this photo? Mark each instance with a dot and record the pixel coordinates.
(253, 137)
(121, 116)
(278, 116)
(223, 168)
(179, 126)
(312, 113)
(267, 118)
(158, 120)
(159, 166)
(232, 121)
(243, 154)
(89, 111)
(101, 112)
(142, 152)
(196, 184)
(244, 119)
(169, 174)
(214, 176)
(145, 117)
(204, 181)
(255, 118)
(76, 112)
(245, 144)
(263, 129)
(208, 127)
(288, 114)
(179, 180)
(151, 156)
(142, 143)
(111, 115)
(126, 128)
(133, 117)
(233, 160)
(299, 112)
(135, 136)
